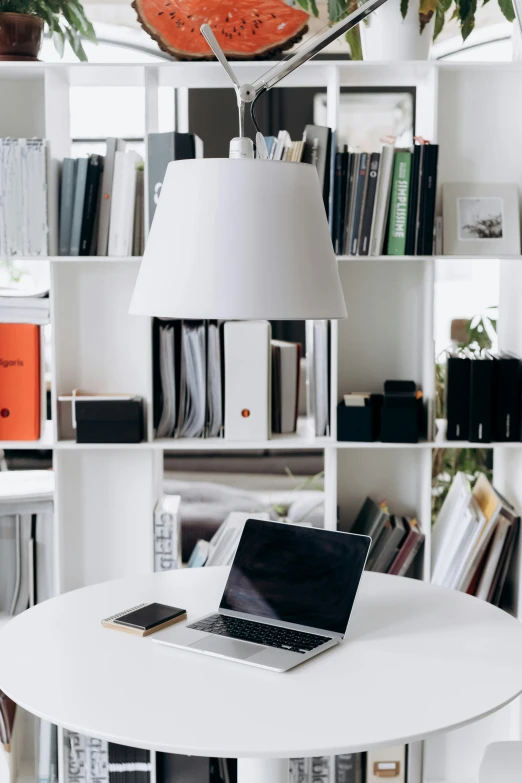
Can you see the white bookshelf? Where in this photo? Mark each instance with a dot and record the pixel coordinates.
(105, 494)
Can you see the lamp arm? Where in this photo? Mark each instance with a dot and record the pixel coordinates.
(313, 47)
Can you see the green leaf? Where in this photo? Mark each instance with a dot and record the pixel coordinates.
(404, 8)
(426, 10)
(315, 10)
(506, 6)
(336, 9)
(59, 41)
(304, 4)
(353, 38)
(446, 5)
(439, 20)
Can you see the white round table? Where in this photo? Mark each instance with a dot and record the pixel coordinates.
(417, 660)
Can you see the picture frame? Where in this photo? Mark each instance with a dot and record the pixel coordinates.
(481, 219)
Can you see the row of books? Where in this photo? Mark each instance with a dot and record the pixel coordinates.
(383, 203)
(23, 198)
(474, 538)
(102, 197)
(396, 540)
(90, 760)
(172, 768)
(484, 397)
(398, 762)
(101, 204)
(211, 377)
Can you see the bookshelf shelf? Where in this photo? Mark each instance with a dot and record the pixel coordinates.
(46, 441)
(106, 492)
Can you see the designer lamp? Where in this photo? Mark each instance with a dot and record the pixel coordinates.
(244, 238)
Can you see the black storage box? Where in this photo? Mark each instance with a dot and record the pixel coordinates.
(360, 423)
(402, 417)
(109, 421)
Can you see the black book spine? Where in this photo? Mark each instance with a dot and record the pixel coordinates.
(373, 173)
(352, 170)
(506, 399)
(337, 202)
(358, 206)
(427, 225)
(413, 199)
(90, 204)
(457, 397)
(481, 398)
(344, 182)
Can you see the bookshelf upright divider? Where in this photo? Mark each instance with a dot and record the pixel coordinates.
(105, 494)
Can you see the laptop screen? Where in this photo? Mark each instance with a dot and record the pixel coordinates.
(297, 574)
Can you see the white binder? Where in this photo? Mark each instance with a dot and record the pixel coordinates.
(247, 380)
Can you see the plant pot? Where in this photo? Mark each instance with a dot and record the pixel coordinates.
(387, 36)
(20, 36)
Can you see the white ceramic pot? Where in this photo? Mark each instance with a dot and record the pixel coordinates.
(388, 36)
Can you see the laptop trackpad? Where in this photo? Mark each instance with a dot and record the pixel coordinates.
(232, 648)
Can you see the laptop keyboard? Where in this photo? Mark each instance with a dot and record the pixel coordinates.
(260, 633)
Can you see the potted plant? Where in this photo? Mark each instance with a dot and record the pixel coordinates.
(22, 23)
(403, 29)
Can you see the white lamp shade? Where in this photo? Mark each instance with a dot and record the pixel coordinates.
(239, 239)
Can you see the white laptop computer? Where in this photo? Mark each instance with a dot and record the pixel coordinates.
(288, 597)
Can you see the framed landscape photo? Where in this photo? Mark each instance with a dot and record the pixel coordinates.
(480, 219)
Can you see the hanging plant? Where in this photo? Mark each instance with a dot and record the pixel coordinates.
(463, 10)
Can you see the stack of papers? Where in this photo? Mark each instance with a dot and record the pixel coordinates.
(16, 309)
(190, 379)
(23, 198)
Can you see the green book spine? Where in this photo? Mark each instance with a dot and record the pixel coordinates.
(399, 203)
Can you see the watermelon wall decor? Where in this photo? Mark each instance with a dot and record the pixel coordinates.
(245, 29)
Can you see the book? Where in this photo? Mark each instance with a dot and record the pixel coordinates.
(481, 399)
(506, 557)
(507, 392)
(167, 533)
(382, 200)
(322, 769)
(398, 216)
(90, 203)
(145, 619)
(79, 200)
(20, 379)
(67, 189)
(199, 555)
(353, 165)
(414, 199)
(286, 361)
(358, 205)
(300, 770)
(498, 540)
(192, 380)
(370, 521)
(408, 549)
(426, 234)
(24, 309)
(317, 341)
(450, 526)
(458, 373)
(349, 768)
(389, 542)
(23, 198)
(138, 232)
(317, 151)
(366, 225)
(113, 145)
(162, 149)
(338, 198)
(167, 381)
(214, 422)
(122, 206)
(247, 380)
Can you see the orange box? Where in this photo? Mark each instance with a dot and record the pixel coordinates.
(20, 398)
